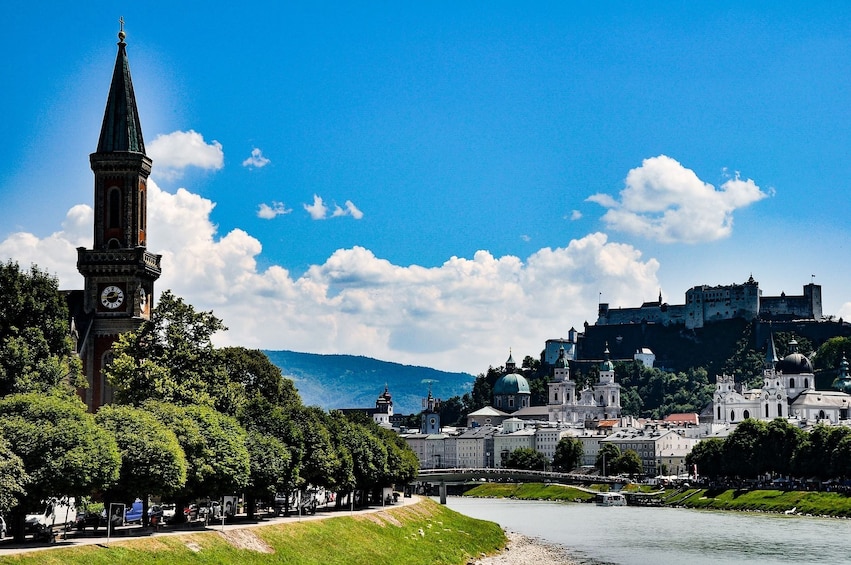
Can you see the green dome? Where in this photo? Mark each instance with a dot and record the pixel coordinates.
(511, 384)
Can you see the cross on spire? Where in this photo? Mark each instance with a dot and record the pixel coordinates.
(121, 34)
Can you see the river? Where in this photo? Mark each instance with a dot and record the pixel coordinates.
(636, 536)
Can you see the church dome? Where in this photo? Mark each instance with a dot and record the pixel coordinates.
(512, 384)
(795, 364)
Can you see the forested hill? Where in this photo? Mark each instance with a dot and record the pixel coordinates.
(349, 381)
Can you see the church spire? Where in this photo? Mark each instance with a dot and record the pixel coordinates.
(121, 130)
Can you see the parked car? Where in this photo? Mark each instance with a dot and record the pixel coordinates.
(169, 511)
(134, 513)
(155, 514)
(191, 512)
(92, 520)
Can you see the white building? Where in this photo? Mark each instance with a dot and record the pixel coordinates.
(565, 404)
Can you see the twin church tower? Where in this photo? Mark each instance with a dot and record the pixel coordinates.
(119, 271)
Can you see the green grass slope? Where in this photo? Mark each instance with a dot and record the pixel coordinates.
(416, 534)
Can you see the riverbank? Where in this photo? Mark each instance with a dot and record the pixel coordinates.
(807, 503)
(522, 550)
(424, 533)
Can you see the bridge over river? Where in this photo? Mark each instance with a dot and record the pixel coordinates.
(464, 475)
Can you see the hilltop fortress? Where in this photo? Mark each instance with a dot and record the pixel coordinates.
(707, 304)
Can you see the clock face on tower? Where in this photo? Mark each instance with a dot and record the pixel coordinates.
(112, 297)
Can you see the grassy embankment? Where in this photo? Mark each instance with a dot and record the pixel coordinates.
(802, 502)
(528, 491)
(424, 533)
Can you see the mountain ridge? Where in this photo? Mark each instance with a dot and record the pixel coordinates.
(354, 381)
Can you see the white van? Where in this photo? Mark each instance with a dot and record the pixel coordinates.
(58, 513)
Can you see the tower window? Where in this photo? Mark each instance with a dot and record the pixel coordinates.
(113, 215)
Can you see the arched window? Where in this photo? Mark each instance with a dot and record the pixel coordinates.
(719, 413)
(732, 415)
(511, 402)
(780, 409)
(746, 414)
(806, 383)
(791, 383)
(555, 396)
(113, 217)
(766, 410)
(821, 414)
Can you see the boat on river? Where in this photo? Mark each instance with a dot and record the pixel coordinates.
(609, 499)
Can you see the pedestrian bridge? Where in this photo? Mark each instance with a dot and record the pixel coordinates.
(463, 475)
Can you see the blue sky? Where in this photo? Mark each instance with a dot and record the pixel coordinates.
(435, 183)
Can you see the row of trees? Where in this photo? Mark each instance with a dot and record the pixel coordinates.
(757, 449)
(189, 420)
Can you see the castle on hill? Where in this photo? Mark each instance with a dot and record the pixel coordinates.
(706, 304)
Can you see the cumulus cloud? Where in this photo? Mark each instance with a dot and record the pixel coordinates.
(461, 315)
(575, 215)
(319, 210)
(666, 202)
(174, 152)
(268, 212)
(350, 210)
(256, 160)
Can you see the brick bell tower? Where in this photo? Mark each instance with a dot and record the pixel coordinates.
(119, 271)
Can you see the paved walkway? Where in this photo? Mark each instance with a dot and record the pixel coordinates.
(87, 537)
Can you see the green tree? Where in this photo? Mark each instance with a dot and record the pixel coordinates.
(271, 425)
(35, 343)
(170, 358)
(744, 450)
(13, 477)
(780, 443)
(568, 454)
(215, 448)
(152, 461)
(270, 468)
(64, 452)
(607, 459)
(526, 458)
(830, 353)
(630, 463)
(708, 456)
(746, 363)
(250, 372)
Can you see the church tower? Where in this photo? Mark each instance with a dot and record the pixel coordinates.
(119, 271)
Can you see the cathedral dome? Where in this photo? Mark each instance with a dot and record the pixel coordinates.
(511, 384)
(795, 364)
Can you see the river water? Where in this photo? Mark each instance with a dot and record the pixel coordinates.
(630, 535)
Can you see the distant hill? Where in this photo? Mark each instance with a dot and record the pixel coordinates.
(349, 381)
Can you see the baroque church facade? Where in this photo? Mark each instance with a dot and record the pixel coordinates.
(567, 405)
(788, 391)
(118, 269)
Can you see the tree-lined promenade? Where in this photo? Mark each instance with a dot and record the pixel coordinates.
(188, 420)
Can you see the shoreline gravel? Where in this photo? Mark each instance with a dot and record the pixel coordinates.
(522, 550)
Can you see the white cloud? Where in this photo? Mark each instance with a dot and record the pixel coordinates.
(318, 210)
(174, 152)
(667, 202)
(267, 212)
(256, 160)
(575, 215)
(461, 315)
(526, 238)
(350, 210)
